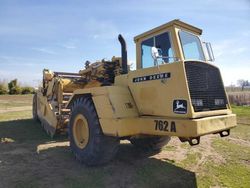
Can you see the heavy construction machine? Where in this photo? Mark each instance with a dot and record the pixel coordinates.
(174, 91)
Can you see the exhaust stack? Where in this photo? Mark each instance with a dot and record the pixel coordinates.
(123, 54)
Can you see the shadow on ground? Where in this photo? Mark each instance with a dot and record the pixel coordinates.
(22, 166)
(25, 130)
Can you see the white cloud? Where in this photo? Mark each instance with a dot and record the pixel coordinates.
(69, 46)
(102, 30)
(24, 61)
(239, 50)
(44, 50)
(96, 36)
(70, 43)
(246, 33)
(232, 57)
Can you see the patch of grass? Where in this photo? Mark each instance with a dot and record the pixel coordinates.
(5, 105)
(191, 160)
(91, 178)
(185, 145)
(169, 148)
(26, 114)
(9, 101)
(26, 130)
(205, 180)
(163, 174)
(243, 114)
(27, 98)
(231, 151)
(232, 175)
(241, 110)
(242, 132)
(26, 183)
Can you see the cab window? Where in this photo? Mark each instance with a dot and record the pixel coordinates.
(163, 44)
(191, 46)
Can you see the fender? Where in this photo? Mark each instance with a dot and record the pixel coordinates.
(111, 102)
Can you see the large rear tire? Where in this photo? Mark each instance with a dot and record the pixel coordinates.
(87, 141)
(151, 144)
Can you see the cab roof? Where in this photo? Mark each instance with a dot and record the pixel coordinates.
(174, 23)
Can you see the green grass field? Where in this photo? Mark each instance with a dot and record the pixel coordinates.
(30, 158)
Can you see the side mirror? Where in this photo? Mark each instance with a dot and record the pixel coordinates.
(155, 53)
(208, 51)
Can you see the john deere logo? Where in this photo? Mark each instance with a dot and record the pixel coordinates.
(160, 76)
(180, 106)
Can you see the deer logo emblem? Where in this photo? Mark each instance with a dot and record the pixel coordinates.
(180, 106)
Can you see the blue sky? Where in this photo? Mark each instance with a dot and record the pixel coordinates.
(62, 34)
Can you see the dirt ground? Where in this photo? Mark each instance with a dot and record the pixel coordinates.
(45, 162)
(30, 158)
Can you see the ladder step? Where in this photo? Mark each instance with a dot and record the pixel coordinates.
(65, 110)
(69, 94)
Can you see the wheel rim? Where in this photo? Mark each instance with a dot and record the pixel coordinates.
(80, 131)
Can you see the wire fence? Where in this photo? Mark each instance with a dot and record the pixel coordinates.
(239, 98)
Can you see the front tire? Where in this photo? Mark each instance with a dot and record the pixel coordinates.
(87, 141)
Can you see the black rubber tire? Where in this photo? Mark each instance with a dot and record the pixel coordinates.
(154, 144)
(34, 108)
(100, 149)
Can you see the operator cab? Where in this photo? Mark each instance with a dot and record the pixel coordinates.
(173, 66)
(169, 43)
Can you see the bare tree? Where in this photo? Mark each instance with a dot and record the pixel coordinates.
(242, 83)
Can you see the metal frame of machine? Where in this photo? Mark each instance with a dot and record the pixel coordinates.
(158, 101)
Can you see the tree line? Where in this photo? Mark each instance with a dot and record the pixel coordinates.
(243, 84)
(13, 88)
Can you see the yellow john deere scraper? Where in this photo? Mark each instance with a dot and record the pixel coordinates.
(175, 91)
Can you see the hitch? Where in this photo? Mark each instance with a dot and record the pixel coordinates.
(224, 133)
(191, 140)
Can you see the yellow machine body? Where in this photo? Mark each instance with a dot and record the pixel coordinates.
(145, 101)
(119, 116)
